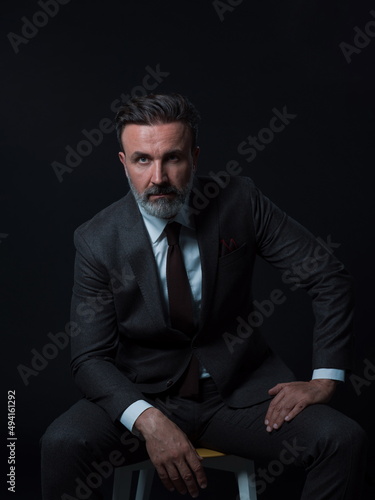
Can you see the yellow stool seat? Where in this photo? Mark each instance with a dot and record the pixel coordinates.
(206, 453)
(243, 468)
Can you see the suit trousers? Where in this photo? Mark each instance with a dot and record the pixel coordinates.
(81, 448)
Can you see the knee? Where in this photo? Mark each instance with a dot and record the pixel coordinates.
(354, 436)
(61, 440)
(344, 435)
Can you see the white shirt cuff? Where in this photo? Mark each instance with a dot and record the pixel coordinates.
(132, 412)
(331, 373)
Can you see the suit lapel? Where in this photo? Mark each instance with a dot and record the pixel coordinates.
(137, 246)
(207, 227)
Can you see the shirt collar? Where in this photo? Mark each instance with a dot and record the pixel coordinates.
(155, 225)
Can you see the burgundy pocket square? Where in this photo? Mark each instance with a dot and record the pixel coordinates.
(227, 246)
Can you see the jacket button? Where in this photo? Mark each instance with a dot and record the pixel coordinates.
(169, 383)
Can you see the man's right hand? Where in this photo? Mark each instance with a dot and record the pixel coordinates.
(174, 457)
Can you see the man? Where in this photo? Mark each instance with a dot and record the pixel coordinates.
(163, 344)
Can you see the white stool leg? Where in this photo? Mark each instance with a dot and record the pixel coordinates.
(122, 484)
(144, 484)
(246, 483)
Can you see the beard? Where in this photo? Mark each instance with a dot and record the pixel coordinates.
(164, 208)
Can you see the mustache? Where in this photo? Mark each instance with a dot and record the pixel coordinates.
(161, 189)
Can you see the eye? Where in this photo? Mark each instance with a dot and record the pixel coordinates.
(142, 160)
(173, 157)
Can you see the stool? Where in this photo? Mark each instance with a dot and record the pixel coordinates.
(242, 467)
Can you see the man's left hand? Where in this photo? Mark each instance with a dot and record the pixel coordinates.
(292, 397)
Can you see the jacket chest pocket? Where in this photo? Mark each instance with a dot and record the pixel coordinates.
(233, 256)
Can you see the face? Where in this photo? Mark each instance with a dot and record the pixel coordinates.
(159, 163)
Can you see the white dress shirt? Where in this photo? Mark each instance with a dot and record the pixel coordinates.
(190, 251)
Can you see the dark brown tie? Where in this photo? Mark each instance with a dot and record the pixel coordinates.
(181, 304)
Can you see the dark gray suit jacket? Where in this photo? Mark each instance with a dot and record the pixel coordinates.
(125, 348)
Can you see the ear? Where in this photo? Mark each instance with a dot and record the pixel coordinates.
(122, 158)
(195, 155)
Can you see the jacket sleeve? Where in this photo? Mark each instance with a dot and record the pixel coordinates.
(94, 346)
(308, 263)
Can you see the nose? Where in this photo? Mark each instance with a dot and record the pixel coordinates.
(159, 174)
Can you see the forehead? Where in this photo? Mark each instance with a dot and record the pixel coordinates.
(163, 136)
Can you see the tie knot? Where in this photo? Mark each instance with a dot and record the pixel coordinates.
(172, 231)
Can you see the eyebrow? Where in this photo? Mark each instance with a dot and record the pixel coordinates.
(138, 154)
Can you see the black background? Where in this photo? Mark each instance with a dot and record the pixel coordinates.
(261, 55)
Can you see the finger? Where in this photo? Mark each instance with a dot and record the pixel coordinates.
(278, 417)
(181, 478)
(199, 472)
(295, 411)
(189, 479)
(289, 407)
(275, 389)
(185, 480)
(164, 478)
(177, 475)
(273, 411)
